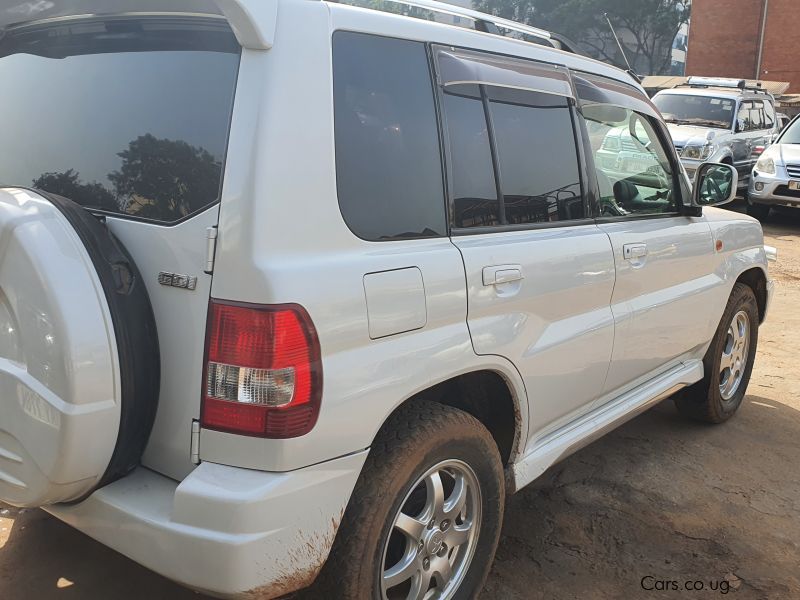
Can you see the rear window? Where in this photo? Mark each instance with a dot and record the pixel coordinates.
(127, 116)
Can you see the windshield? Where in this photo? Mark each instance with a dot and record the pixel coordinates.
(703, 111)
(128, 116)
(791, 135)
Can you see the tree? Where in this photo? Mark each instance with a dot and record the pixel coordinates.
(647, 28)
(68, 184)
(165, 179)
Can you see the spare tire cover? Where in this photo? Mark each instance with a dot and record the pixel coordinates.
(79, 364)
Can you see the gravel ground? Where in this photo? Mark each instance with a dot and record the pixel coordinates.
(658, 505)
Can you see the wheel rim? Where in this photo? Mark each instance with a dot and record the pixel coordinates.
(734, 355)
(433, 536)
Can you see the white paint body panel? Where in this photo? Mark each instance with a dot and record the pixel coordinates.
(180, 316)
(660, 301)
(558, 311)
(59, 370)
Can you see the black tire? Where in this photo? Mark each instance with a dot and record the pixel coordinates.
(758, 211)
(135, 332)
(417, 437)
(704, 400)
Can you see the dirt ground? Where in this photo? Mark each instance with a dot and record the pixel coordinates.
(659, 505)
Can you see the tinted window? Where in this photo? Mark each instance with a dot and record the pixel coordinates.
(388, 162)
(473, 186)
(634, 175)
(537, 157)
(128, 116)
(696, 110)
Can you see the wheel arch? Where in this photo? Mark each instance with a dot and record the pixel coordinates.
(492, 394)
(756, 279)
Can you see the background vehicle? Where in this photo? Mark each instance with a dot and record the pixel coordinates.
(776, 175)
(718, 120)
(783, 121)
(306, 301)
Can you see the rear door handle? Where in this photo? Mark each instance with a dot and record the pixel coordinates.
(500, 274)
(634, 251)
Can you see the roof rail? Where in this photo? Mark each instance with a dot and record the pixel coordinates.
(483, 21)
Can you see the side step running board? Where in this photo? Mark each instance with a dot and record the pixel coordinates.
(590, 427)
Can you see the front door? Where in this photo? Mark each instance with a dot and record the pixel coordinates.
(664, 260)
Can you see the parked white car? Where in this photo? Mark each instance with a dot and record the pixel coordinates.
(776, 175)
(295, 292)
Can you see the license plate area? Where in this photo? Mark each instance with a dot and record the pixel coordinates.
(794, 185)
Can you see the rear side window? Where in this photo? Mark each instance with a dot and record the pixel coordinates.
(473, 185)
(388, 159)
(538, 157)
(534, 176)
(128, 116)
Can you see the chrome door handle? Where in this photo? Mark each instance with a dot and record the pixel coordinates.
(499, 274)
(634, 251)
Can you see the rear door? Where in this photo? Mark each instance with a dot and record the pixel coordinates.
(754, 127)
(664, 260)
(129, 117)
(539, 271)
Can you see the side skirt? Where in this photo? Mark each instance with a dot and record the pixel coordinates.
(588, 428)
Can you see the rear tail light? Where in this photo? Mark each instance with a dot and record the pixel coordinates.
(263, 374)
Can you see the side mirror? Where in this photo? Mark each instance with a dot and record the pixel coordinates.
(714, 184)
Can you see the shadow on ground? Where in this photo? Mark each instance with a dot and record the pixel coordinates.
(666, 498)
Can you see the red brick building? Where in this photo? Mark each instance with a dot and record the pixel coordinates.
(748, 39)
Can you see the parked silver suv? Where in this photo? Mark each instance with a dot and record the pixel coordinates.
(719, 120)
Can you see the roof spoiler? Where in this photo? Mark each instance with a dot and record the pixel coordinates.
(253, 21)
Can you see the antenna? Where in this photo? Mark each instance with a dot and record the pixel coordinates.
(621, 49)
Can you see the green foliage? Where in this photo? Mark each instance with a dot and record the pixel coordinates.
(165, 178)
(157, 179)
(393, 7)
(646, 28)
(69, 185)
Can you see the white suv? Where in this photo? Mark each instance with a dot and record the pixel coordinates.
(295, 293)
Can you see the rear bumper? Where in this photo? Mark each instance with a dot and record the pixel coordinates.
(225, 531)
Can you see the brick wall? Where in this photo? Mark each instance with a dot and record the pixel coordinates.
(723, 38)
(724, 35)
(781, 58)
